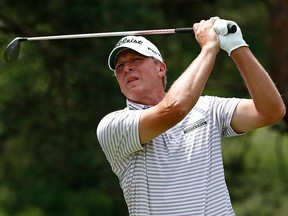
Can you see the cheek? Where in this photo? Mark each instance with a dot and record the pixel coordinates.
(152, 76)
(120, 82)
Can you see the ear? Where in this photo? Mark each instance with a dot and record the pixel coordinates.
(162, 69)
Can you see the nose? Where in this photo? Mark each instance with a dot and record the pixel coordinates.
(128, 67)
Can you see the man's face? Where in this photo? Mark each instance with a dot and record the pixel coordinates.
(139, 77)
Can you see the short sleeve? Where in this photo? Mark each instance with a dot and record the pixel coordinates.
(222, 111)
(118, 135)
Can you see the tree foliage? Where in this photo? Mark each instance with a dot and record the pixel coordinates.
(53, 98)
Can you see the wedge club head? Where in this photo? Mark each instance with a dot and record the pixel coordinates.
(11, 52)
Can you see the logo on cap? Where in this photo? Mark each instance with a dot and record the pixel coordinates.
(128, 40)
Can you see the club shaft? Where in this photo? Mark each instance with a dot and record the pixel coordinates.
(112, 34)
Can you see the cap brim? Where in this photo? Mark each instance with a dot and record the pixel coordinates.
(113, 55)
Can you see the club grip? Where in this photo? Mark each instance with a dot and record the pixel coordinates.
(231, 29)
(184, 30)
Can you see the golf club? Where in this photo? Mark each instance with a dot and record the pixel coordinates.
(11, 52)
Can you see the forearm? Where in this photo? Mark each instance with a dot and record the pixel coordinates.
(264, 93)
(186, 90)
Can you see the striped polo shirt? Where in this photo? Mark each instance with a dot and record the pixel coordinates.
(178, 173)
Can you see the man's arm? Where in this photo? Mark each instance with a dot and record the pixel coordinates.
(266, 106)
(186, 90)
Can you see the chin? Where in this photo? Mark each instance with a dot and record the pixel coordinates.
(135, 96)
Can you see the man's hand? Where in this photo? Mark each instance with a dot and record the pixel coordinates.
(231, 41)
(205, 34)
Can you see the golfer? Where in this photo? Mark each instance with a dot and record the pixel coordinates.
(165, 147)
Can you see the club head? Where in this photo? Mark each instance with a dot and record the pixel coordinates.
(11, 52)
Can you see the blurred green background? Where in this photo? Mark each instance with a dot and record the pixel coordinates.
(52, 99)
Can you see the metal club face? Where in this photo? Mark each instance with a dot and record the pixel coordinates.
(11, 52)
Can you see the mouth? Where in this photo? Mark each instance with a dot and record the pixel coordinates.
(132, 79)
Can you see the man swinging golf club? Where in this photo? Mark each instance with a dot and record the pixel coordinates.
(165, 147)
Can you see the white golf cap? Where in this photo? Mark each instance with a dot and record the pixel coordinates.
(136, 43)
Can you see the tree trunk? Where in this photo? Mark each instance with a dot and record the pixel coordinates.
(278, 46)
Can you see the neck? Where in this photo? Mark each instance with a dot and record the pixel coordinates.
(149, 100)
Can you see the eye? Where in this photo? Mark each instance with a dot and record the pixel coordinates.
(119, 66)
(137, 60)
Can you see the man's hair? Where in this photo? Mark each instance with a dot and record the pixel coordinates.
(164, 80)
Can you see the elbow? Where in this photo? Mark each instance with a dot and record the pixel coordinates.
(282, 112)
(278, 114)
(177, 110)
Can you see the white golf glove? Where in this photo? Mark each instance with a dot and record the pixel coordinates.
(228, 41)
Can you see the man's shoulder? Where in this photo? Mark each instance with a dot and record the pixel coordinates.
(123, 115)
(114, 114)
(204, 101)
(209, 103)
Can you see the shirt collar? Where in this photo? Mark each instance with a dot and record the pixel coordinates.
(136, 106)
